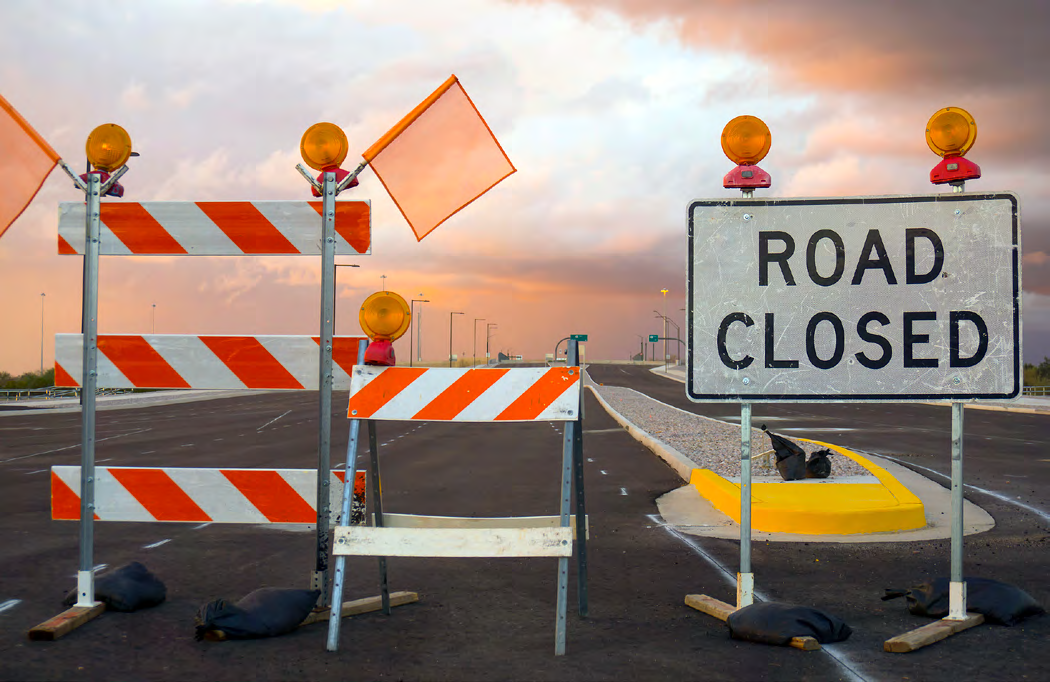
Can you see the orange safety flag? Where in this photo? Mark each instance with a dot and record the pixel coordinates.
(26, 159)
(438, 158)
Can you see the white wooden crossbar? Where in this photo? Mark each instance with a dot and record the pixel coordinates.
(452, 542)
(419, 521)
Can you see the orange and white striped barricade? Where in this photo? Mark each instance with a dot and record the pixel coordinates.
(216, 228)
(239, 228)
(205, 361)
(466, 395)
(188, 495)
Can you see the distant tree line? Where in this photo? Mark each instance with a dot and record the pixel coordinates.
(27, 380)
(1037, 375)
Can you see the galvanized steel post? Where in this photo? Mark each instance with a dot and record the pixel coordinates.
(324, 437)
(957, 588)
(335, 616)
(745, 580)
(92, 227)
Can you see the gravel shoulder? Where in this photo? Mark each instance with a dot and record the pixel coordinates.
(709, 443)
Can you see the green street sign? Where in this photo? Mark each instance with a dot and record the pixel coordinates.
(653, 338)
(578, 337)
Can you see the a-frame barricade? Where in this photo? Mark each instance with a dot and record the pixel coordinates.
(490, 395)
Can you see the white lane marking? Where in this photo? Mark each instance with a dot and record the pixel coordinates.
(38, 471)
(9, 604)
(100, 461)
(70, 447)
(270, 422)
(828, 429)
(187, 445)
(156, 544)
(841, 659)
(589, 459)
(623, 491)
(604, 472)
(216, 439)
(203, 525)
(147, 452)
(999, 496)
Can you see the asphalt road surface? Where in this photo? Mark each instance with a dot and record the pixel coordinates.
(480, 619)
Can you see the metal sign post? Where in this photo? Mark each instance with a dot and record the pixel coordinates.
(85, 572)
(324, 436)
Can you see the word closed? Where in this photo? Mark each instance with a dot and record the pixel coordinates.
(860, 298)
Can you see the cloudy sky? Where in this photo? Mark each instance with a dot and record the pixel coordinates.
(611, 111)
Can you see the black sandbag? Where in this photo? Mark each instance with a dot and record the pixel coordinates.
(819, 466)
(266, 612)
(791, 459)
(776, 623)
(128, 588)
(1001, 603)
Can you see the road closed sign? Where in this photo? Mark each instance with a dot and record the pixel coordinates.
(855, 298)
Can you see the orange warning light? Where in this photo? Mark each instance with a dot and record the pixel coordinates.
(108, 147)
(951, 132)
(746, 140)
(324, 146)
(384, 317)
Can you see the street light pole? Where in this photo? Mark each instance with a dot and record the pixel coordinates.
(474, 340)
(450, 336)
(419, 331)
(335, 289)
(488, 335)
(664, 292)
(411, 306)
(42, 332)
(383, 277)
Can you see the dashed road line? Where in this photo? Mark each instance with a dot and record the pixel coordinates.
(271, 421)
(9, 604)
(157, 544)
(70, 447)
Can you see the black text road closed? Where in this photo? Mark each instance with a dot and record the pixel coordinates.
(855, 298)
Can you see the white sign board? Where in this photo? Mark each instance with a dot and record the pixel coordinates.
(855, 298)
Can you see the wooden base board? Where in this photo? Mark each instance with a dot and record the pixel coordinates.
(359, 606)
(65, 622)
(930, 633)
(721, 610)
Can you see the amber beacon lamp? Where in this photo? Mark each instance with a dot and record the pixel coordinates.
(746, 141)
(384, 317)
(950, 134)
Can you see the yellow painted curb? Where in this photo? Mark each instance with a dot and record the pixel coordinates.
(823, 508)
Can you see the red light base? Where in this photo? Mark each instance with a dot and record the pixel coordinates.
(746, 177)
(117, 190)
(954, 169)
(380, 352)
(339, 175)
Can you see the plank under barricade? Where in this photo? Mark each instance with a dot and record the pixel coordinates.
(477, 395)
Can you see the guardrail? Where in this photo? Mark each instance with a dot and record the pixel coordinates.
(51, 392)
(1036, 391)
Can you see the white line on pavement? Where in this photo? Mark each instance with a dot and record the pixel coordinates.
(70, 447)
(271, 421)
(841, 659)
(9, 604)
(156, 544)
